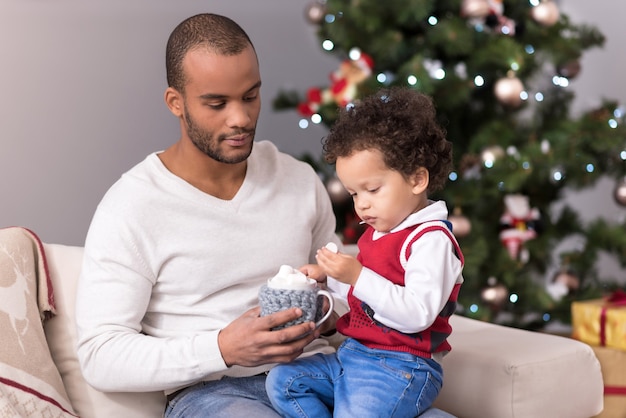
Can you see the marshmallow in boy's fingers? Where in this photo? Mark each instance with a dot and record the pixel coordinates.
(331, 246)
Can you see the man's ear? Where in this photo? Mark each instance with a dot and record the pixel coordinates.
(420, 180)
(174, 101)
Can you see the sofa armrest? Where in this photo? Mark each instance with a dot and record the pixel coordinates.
(64, 263)
(499, 372)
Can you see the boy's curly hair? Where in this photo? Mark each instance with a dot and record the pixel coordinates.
(400, 123)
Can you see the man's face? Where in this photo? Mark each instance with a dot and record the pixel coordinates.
(222, 102)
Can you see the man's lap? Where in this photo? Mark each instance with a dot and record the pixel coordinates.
(243, 397)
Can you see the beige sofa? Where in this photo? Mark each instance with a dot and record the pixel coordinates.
(492, 372)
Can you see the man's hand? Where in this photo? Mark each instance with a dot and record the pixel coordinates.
(330, 324)
(249, 341)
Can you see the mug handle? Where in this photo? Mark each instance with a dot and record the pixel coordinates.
(331, 303)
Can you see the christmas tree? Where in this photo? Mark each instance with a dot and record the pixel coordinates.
(499, 73)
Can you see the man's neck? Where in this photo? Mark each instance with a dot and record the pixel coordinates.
(215, 178)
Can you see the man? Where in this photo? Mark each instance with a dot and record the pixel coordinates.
(179, 247)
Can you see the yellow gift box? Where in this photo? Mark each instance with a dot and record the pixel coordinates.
(613, 365)
(601, 322)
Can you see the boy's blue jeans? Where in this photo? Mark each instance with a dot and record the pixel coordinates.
(355, 382)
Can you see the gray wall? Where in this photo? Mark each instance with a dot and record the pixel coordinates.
(83, 84)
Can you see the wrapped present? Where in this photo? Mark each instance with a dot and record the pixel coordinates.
(601, 322)
(613, 365)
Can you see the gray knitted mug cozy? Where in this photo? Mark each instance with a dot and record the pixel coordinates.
(276, 300)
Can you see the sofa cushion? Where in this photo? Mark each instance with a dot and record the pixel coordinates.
(64, 263)
(30, 384)
(518, 373)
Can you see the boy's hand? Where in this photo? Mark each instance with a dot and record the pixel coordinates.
(339, 266)
(314, 272)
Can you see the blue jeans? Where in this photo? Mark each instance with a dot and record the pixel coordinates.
(227, 398)
(355, 382)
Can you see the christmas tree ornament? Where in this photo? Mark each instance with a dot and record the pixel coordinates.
(315, 12)
(569, 279)
(347, 78)
(475, 8)
(508, 91)
(343, 88)
(569, 69)
(491, 154)
(339, 196)
(461, 226)
(619, 193)
(489, 13)
(518, 224)
(545, 13)
(494, 294)
(564, 283)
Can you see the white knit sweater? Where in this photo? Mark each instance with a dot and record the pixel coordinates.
(167, 266)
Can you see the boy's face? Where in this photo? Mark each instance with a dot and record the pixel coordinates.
(382, 197)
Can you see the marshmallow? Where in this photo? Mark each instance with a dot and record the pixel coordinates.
(332, 247)
(290, 278)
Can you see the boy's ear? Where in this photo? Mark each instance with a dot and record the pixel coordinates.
(420, 180)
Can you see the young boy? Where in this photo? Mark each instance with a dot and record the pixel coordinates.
(389, 153)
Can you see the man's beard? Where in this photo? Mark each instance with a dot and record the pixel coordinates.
(208, 144)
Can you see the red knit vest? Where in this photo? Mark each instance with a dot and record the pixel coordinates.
(359, 322)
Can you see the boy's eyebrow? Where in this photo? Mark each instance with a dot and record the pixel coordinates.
(209, 96)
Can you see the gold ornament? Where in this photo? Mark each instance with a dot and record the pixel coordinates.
(475, 8)
(461, 226)
(315, 12)
(339, 196)
(495, 294)
(492, 154)
(620, 192)
(508, 90)
(545, 13)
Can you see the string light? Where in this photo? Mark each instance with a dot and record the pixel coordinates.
(557, 175)
(328, 45)
(560, 81)
(354, 54)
